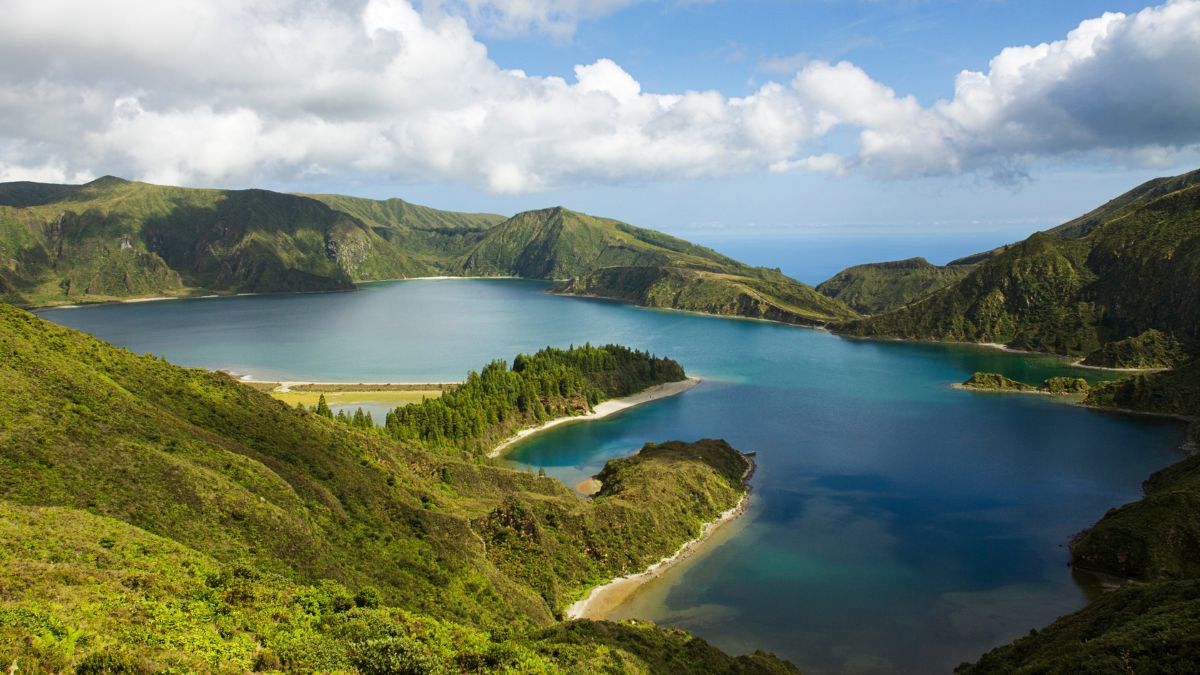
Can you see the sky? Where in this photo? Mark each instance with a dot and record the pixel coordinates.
(723, 120)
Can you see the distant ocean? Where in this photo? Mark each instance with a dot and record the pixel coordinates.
(813, 257)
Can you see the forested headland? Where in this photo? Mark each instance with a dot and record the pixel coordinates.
(499, 400)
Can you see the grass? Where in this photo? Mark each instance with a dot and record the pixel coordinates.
(169, 518)
(880, 287)
(112, 239)
(351, 398)
(1117, 286)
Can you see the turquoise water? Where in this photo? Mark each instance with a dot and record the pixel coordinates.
(896, 524)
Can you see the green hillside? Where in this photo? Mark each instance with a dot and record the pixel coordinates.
(606, 258)
(881, 287)
(764, 294)
(1136, 629)
(222, 526)
(112, 239)
(1126, 268)
(559, 244)
(436, 238)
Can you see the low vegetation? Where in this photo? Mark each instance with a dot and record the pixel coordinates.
(995, 382)
(1152, 349)
(155, 517)
(112, 239)
(750, 293)
(881, 287)
(1065, 385)
(1158, 536)
(1052, 385)
(1136, 629)
(1085, 288)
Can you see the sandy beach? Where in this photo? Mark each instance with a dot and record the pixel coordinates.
(604, 409)
(602, 600)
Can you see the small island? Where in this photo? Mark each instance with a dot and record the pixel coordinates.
(995, 382)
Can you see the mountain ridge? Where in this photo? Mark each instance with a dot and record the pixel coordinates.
(1112, 274)
(112, 239)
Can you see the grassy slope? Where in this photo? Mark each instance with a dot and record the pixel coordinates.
(606, 258)
(1128, 267)
(113, 239)
(101, 590)
(227, 473)
(434, 237)
(882, 287)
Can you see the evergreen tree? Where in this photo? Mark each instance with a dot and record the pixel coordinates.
(322, 408)
(494, 402)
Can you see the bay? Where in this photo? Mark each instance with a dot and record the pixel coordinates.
(897, 524)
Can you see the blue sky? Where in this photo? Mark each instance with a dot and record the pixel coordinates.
(914, 46)
(725, 121)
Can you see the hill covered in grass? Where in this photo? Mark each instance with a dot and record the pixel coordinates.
(606, 258)
(1116, 273)
(163, 516)
(111, 239)
(881, 287)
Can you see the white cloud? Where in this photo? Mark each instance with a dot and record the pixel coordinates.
(222, 92)
(1117, 84)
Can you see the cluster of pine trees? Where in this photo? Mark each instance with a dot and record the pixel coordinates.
(358, 420)
(494, 403)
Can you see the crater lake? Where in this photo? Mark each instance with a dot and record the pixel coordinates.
(896, 524)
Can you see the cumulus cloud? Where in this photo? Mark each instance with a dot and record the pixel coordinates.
(224, 91)
(1117, 83)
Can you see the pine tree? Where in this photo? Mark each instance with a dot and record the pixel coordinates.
(322, 408)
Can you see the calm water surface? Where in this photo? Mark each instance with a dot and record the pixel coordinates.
(897, 524)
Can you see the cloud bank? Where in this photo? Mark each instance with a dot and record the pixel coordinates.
(185, 92)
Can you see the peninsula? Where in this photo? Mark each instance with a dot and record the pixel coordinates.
(259, 534)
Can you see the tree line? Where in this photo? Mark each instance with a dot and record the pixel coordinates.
(495, 402)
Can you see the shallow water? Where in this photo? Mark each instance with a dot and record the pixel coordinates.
(896, 525)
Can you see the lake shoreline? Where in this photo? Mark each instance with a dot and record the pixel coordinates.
(602, 410)
(1076, 363)
(622, 301)
(602, 600)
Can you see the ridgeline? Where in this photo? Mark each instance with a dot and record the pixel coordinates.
(1115, 274)
(113, 239)
(881, 287)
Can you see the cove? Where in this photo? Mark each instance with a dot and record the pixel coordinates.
(897, 525)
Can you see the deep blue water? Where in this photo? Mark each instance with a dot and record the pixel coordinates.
(896, 524)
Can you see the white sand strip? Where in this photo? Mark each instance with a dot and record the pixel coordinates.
(603, 599)
(603, 409)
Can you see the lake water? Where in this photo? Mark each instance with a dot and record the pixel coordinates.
(896, 524)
